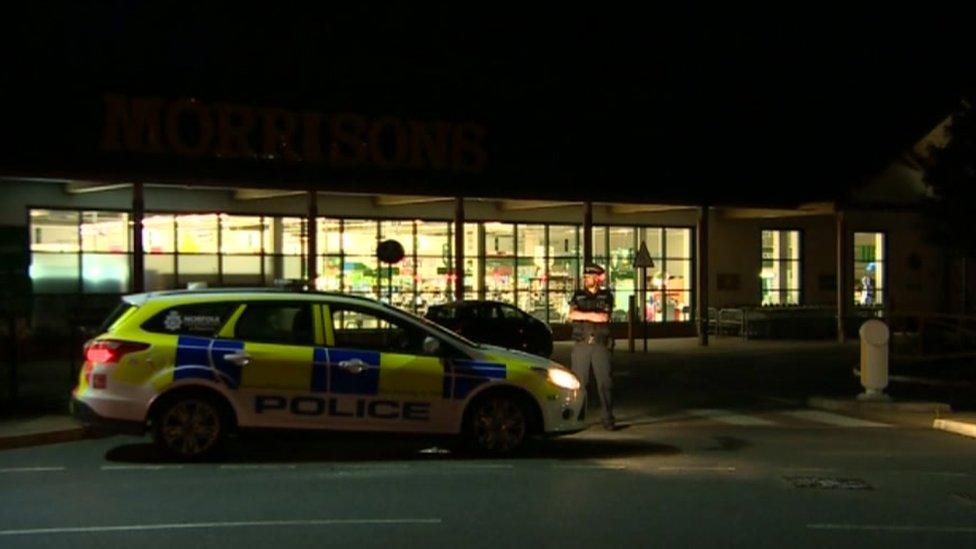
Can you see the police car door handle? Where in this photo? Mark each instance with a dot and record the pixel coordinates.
(241, 359)
(353, 365)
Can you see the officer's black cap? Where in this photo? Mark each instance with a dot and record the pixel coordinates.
(593, 269)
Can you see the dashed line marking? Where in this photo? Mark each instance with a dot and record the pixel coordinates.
(201, 525)
(482, 466)
(592, 467)
(32, 469)
(892, 528)
(140, 467)
(698, 469)
(256, 467)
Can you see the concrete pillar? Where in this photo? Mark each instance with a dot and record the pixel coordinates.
(701, 280)
(587, 233)
(459, 249)
(138, 257)
(312, 238)
(842, 287)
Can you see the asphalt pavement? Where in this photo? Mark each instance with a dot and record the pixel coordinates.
(715, 449)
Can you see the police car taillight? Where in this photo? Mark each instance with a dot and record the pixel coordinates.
(110, 351)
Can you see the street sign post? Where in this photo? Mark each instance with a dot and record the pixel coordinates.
(642, 260)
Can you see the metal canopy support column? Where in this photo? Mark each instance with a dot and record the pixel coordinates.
(138, 258)
(841, 276)
(459, 249)
(701, 254)
(587, 233)
(312, 257)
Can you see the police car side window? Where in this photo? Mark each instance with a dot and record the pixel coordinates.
(199, 319)
(275, 322)
(358, 328)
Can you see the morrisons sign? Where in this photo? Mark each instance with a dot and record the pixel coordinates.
(195, 129)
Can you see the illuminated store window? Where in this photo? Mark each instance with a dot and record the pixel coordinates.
(105, 259)
(530, 272)
(434, 264)
(474, 265)
(196, 234)
(329, 239)
(55, 242)
(158, 234)
(564, 268)
(106, 232)
(196, 248)
(870, 269)
(621, 276)
(79, 251)
(500, 262)
(600, 244)
(780, 274)
(403, 273)
(677, 277)
(360, 268)
(329, 244)
(54, 231)
(241, 247)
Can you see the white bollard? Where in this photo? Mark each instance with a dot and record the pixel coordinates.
(874, 360)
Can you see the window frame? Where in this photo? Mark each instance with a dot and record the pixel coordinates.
(879, 289)
(800, 292)
(312, 342)
(448, 349)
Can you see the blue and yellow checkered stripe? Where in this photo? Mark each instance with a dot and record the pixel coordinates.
(202, 358)
(463, 376)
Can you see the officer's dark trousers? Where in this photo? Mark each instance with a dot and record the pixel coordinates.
(598, 356)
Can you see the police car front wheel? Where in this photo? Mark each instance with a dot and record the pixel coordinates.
(498, 424)
(189, 427)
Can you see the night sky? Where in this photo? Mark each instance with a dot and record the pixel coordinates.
(737, 106)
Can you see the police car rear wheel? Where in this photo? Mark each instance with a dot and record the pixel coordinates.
(189, 428)
(498, 425)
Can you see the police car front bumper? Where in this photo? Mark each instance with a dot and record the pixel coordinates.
(565, 414)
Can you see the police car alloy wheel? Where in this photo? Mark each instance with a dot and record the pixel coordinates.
(499, 425)
(190, 427)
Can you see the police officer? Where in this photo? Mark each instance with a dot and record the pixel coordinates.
(590, 310)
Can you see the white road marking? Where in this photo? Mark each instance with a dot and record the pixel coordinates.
(258, 467)
(378, 466)
(892, 528)
(198, 525)
(831, 419)
(482, 466)
(698, 469)
(31, 469)
(592, 467)
(140, 467)
(732, 418)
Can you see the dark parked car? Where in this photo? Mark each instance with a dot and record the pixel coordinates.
(495, 323)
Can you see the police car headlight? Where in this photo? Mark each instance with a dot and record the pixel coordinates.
(564, 379)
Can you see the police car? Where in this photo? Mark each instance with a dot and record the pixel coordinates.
(191, 366)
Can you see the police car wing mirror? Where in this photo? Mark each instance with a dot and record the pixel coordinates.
(431, 346)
